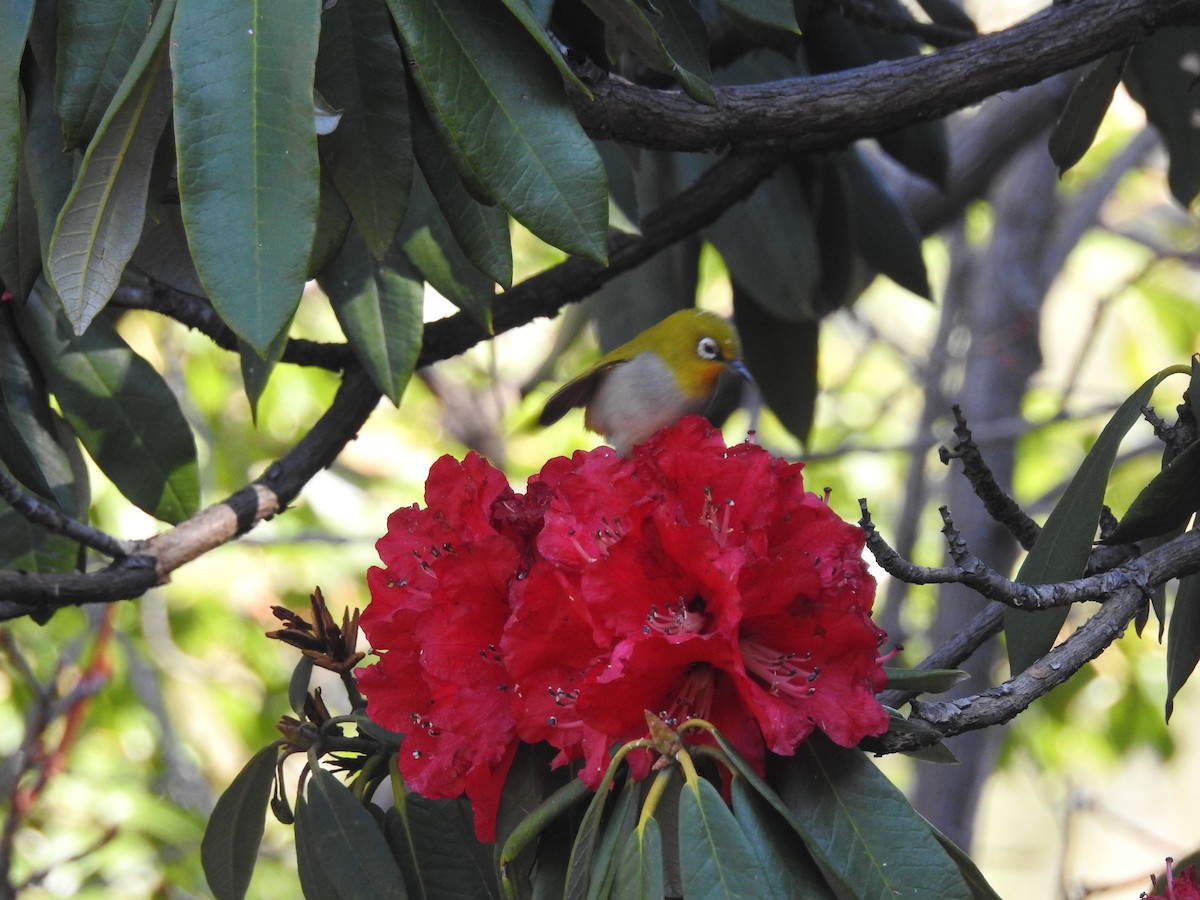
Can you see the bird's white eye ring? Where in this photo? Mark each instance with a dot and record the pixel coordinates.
(708, 348)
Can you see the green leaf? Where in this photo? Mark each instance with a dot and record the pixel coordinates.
(429, 244)
(502, 111)
(926, 681)
(334, 222)
(780, 14)
(1065, 543)
(1183, 638)
(1161, 77)
(315, 881)
(782, 356)
(235, 828)
(666, 38)
(842, 275)
(49, 169)
(885, 233)
(248, 170)
(101, 222)
(256, 370)
(618, 828)
(786, 863)
(360, 71)
(162, 253)
(980, 889)
(20, 247)
(1166, 503)
(97, 43)
(858, 825)
(379, 307)
(298, 685)
(446, 860)
(15, 16)
(769, 244)
(480, 230)
(1076, 128)
(532, 23)
(639, 869)
(948, 13)
(350, 846)
(121, 408)
(714, 854)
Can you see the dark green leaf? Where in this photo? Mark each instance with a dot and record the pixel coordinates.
(122, 410)
(926, 681)
(101, 222)
(256, 369)
(26, 420)
(948, 13)
(502, 111)
(97, 43)
(980, 889)
(49, 169)
(842, 274)
(779, 14)
(429, 244)
(617, 829)
(350, 847)
(885, 233)
(1166, 503)
(786, 863)
(235, 828)
(534, 24)
(639, 868)
(248, 170)
(529, 782)
(782, 357)
(315, 881)
(298, 684)
(769, 245)
(480, 230)
(1062, 549)
(859, 826)
(1161, 77)
(15, 16)
(715, 856)
(587, 837)
(379, 306)
(162, 253)
(1076, 128)
(684, 36)
(360, 71)
(1183, 638)
(20, 247)
(443, 857)
(334, 222)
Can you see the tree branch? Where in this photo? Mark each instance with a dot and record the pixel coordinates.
(831, 110)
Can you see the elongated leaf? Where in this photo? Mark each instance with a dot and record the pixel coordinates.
(787, 866)
(379, 306)
(1076, 128)
(1183, 638)
(162, 252)
(769, 244)
(885, 233)
(122, 410)
(257, 369)
(617, 830)
(980, 889)
(235, 828)
(502, 111)
(101, 222)
(858, 825)
(779, 14)
(248, 170)
(48, 168)
(25, 414)
(1166, 503)
(360, 71)
(446, 860)
(351, 848)
(97, 43)
(533, 23)
(715, 856)
(1062, 549)
(315, 882)
(927, 681)
(782, 356)
(481, 230)
(20, 247)
(1160, 76)
(639, 869)
(15, 16)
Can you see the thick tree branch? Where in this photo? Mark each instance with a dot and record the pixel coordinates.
(831, 110)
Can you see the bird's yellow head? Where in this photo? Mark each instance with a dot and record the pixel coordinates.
(694, 345)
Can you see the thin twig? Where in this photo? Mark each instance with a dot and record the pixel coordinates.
(50, 517)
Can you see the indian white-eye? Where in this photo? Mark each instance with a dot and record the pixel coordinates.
(668, 371)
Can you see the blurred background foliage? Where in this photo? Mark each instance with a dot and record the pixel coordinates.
(1092, 787)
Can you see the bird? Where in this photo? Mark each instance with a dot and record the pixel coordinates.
(668, 371)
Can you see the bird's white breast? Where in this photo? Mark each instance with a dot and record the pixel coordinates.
(635, 400)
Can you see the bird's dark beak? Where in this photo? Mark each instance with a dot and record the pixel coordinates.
(740, 367)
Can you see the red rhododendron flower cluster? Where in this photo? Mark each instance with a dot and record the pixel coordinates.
(692, 580)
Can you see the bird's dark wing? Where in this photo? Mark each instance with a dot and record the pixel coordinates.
(578, 392)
